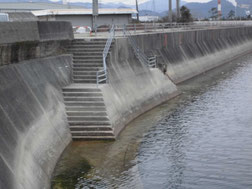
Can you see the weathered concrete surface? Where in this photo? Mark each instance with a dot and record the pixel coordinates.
(55, 30)
(190, 53)
(13, 32)
(33, 126)
(133, 88)
(21, 41)
(22, 16)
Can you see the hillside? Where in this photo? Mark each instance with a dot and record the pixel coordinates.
(201, 10)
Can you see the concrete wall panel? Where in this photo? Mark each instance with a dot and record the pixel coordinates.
(13, 32)
(55, 30)
(188, 53)
(133, 88)
(33, 126)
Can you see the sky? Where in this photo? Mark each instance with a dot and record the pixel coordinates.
(132, 2)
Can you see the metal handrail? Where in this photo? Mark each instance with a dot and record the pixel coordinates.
(162, 26)
(101, 75)
(151, 62)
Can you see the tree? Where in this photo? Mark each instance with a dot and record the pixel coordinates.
(166, 18)
(231, 14)
(214, 13)
(186, 15)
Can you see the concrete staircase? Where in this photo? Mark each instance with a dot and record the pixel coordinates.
(85, 108)
(87, 59)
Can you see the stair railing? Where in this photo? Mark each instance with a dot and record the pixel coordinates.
(151, 62)
(102, 75)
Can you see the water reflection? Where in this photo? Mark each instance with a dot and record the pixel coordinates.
(201, 139)
(206, 143)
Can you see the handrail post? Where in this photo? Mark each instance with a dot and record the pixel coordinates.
(124, 30)
(104, 56)
(95, 30)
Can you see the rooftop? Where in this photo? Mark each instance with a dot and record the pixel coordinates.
(29, 6)
(82, 12)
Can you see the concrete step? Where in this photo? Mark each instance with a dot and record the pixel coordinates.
(100, 43)
(91, 40)
(78, 50)
(82, 94)
(90, 113)
(86, 48)
(77, 69)
(86, 81)
(87, 61)
(84, 77)
(87, 65)
(83, 99)
(100, 39)
(85, 109)
(87, 118)
(90, 123)
(88, 57)
(91, 128)
(87, 53)
(72, 89)
(92, 133)
(76, 138)
(84, 73)
(85, 104)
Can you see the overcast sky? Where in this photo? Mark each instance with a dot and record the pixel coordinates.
(132, 2)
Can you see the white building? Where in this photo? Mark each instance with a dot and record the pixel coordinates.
(77, 15)
(83, 17)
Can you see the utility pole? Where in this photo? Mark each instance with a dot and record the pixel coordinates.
(219, 9)
(94, 14)
(137, 11)
(170, 11)
(178, 9)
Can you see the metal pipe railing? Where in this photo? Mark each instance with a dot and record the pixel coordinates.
(151, 62)
(161, 27)
(101, 75)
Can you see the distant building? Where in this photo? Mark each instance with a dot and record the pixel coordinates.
(149, 18)
(83, 17)
(30, 6)
(77, 15)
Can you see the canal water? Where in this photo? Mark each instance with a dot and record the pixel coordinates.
(200, 139)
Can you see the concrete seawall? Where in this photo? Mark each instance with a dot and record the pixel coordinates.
(33, 126)
(189, 53)
(134, 89)
(21, 41)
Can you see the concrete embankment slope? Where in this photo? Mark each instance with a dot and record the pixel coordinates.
(189, 53)
(134, 89)
(33, 125)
